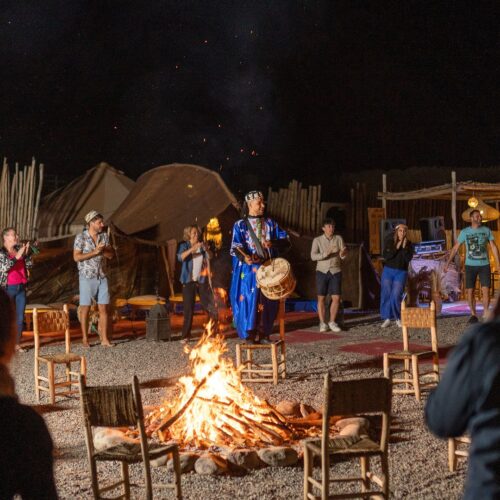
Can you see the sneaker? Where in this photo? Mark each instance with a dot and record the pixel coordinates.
(473, 319)
(398, 323)
(265, 340)
(334, 327)
(20, 349)
(323, 327)
(386, 323)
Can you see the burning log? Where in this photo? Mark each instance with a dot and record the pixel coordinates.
(171, 420)
(214, 408)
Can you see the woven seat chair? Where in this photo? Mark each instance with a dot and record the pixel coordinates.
(349, 398)
(121, 406)
(415, 317)
(254, 371)
(456, 450)
(54, 321)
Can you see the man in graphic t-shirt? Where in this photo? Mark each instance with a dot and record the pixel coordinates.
(477, 238)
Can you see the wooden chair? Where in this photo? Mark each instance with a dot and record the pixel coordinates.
(456, 451)
(264, 372)
(415, 317)
(121, 406)
(54, 321)
(350, 397)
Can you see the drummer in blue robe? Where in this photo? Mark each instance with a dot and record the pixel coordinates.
(256, 238)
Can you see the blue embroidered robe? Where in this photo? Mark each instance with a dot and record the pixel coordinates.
(244, 295)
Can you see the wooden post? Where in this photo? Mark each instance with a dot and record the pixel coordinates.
(384, 190)
(454, 206)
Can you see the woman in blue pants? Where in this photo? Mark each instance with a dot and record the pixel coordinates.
(397, 255)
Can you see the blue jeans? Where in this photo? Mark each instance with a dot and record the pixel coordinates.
(17, 293)
(391, 293)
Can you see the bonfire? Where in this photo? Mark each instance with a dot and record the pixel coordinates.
(214, 408)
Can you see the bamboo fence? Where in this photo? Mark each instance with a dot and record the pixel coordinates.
(20, 194)
(297, 207)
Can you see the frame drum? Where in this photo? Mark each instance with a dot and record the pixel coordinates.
(275, 279)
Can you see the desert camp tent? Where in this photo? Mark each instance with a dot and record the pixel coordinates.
(102, 188)
(54, 276)
(166, 199)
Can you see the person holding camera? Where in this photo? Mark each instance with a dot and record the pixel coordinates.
(194, 256)
(15, 260)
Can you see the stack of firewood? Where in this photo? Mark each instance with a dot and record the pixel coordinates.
(297, 207)
(20, 197)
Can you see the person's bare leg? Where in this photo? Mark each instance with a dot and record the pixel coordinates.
(103, 324)
(471, 300)
(334, 307)
(84, 323)
(485, 292)
(321, 308)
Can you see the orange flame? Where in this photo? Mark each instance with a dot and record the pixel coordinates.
(215, 408)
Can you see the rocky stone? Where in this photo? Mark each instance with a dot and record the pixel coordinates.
(187, 461)
(210, 464)
(355, 426)
(278, 456)
(306, 410)
(289, 408)
(248, 459)
(107, 437)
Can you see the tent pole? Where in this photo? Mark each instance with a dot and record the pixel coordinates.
(384, 190)
(167, 268)
(454, 206)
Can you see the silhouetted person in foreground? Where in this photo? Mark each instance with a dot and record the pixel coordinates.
(26, 465)
(468, 400)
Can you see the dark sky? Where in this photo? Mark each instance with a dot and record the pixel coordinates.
(263, 91)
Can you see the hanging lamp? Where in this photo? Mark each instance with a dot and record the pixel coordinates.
(487, 211)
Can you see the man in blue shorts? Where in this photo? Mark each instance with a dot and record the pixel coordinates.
(90, 252)
(477, 238)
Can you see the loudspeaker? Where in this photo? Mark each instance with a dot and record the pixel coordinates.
(386, 229)
(432, 228)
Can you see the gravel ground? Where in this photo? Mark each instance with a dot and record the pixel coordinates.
(418, 460)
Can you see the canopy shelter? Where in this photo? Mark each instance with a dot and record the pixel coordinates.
(488, 192)
(102, 188)
(165, 200)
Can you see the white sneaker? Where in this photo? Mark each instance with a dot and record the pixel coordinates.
(323, 327)
(386, 323)
(398, 323)
(334, 327)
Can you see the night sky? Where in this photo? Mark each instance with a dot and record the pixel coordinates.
(262, 91)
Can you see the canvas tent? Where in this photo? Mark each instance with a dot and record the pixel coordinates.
(54, 276)
(168, 198)
(62, 212)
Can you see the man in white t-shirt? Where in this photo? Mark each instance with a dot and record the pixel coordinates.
(328, 250)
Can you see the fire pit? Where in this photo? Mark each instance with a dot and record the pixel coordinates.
(219, 423)
(214, 408)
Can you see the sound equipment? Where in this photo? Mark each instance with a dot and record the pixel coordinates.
(429, 247)
(432, 228)
(386, 229)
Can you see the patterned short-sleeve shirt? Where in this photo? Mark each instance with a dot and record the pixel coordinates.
(94, 267)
